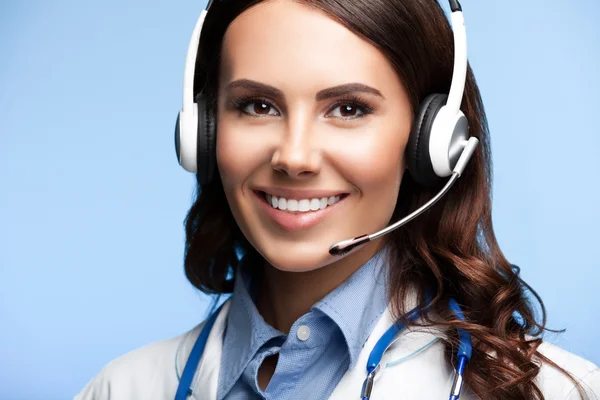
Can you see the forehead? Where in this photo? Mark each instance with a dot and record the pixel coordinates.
(292, 45)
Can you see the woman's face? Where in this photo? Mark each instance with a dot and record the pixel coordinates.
(313, 115)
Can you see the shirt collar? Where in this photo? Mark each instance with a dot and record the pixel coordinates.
(355, 307)
(358, 303)
(246, 330)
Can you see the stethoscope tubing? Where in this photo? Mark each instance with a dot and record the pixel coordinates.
(391, 335)
(185, 383)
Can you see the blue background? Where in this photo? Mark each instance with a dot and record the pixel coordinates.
(92, 200)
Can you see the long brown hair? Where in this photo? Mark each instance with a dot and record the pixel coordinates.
(452, 250)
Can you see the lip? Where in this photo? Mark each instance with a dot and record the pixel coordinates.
(295, 220)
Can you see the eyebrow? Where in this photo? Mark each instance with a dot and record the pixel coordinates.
(334, 91)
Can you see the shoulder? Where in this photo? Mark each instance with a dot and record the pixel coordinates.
(556, 385)
(150, 372)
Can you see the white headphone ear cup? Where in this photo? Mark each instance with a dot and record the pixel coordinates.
(186, 136)
(449, 134)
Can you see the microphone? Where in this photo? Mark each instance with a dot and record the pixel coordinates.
(345, 246)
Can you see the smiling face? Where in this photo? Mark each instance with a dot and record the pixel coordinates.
(310, 117)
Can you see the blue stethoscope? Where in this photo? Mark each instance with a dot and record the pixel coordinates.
(373, 364)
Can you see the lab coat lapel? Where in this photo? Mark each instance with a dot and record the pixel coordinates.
(206, 380)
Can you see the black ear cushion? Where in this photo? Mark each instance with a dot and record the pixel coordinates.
(211, 145)
(177, 139)
(205, 156)
(417, 148)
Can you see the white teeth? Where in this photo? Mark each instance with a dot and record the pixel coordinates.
(282, 203)
(314, 204)
(304, 205)
(292, 205)
(323, 203)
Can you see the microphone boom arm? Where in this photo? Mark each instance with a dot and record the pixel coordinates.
(345, 246)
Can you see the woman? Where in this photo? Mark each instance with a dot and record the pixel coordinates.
(320, 110)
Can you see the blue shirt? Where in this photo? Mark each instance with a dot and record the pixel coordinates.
(311, 361)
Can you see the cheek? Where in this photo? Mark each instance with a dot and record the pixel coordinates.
(376, 170)
(235, 162)
(238, 153)
(380, 183)
(376, 165)
(229, 159)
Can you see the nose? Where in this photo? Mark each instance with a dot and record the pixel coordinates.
(297, 154)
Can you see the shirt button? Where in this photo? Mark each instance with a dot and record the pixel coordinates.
(303, 333)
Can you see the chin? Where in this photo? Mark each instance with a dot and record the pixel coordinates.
(297, 256)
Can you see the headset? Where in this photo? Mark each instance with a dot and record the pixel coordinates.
(438, 146)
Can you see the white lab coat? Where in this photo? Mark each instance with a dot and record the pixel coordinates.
(151, 372)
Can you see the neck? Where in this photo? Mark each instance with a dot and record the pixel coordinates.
(285, 296)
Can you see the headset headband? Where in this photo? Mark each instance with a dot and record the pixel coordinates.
(458, 75)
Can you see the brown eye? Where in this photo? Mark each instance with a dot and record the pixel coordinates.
(257, 108)
(348, 111)
(261, 108)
